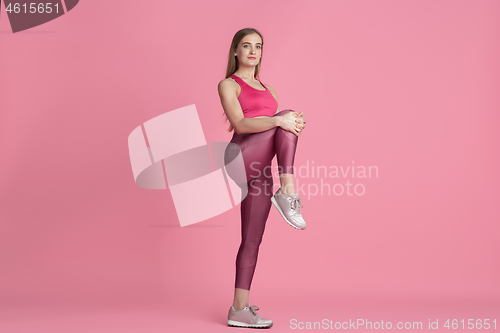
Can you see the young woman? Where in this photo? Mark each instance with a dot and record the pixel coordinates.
(260, 132)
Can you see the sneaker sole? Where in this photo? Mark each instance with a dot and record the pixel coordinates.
(284, 217)
(240, 324)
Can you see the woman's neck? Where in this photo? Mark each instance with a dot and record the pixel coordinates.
(245, 73)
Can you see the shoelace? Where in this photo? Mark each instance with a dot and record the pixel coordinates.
(295, 202)
(254, 309)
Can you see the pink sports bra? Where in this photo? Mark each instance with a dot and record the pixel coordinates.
(256, 102)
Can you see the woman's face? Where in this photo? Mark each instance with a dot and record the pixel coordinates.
(249, 50)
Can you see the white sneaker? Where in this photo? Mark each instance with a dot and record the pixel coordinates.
(247, 317)
(288, 206)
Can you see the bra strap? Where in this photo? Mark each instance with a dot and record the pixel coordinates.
(240, 81)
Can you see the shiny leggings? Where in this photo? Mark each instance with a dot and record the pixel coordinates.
(258, 150)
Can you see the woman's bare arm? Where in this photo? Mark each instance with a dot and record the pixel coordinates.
(232, 108)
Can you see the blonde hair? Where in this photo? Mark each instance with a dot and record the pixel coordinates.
(232, 63)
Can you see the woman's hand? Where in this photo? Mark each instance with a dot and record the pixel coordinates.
(301, 121)
(293, 122)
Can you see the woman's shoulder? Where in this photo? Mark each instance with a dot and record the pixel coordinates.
(270, 88)
(228, 84)
(265, 84)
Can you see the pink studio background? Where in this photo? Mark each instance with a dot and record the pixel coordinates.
(408, 86)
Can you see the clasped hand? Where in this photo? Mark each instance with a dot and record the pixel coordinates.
(294, 122)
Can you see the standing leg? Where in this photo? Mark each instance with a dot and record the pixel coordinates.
(258, 151)
(254, 213)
